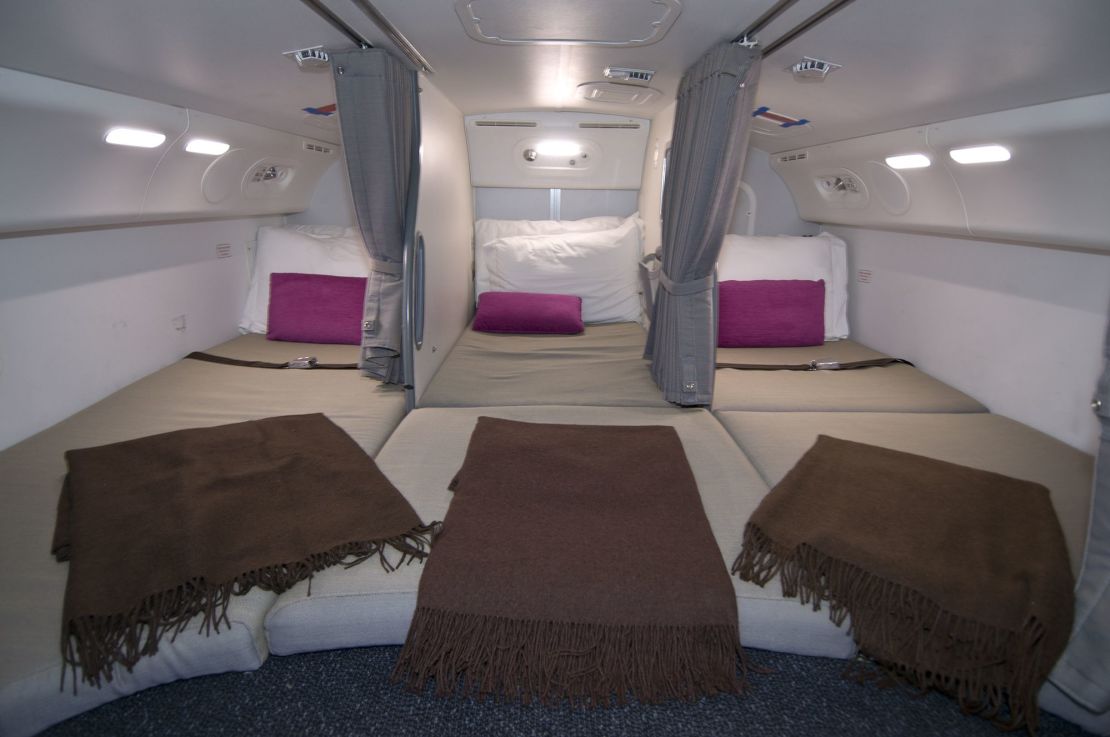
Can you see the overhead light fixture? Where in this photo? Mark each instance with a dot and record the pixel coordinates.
(134, 137)
(553, 147)
(980, 154)
(813, 70)
(207, 147)
(908, 161)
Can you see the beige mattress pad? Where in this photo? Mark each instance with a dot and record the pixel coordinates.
(894, 388)
(774, 441)
(604, 366)
(186, 394)
(365, 606)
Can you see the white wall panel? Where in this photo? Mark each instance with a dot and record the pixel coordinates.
(774, 212)
(59, 172)
(504, 203)
(614, 156)
(331, 202)
(576, 204)
(651, 187)
(1051, 192)
(1019, 328)
(85, 313)
(445, 218)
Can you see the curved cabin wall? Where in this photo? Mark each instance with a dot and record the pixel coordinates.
(1052, 191)
(60, 173)
(93, 293)
(977, 273)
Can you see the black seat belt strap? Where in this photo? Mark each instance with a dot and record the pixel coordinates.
(815, 365)
(304, 362)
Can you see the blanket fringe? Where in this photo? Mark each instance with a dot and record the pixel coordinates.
(95, 644)
(583, 663)
(988, 669)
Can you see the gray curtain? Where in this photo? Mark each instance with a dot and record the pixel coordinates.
(379, 117)
(710, 141)
(1084, 670)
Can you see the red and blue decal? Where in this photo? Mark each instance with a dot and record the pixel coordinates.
(784, 121)
(323, 110)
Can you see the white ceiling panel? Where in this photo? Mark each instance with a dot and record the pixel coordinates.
(581, 22)
(905, 62)
(909, 63)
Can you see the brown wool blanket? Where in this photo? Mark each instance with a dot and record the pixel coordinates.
(160, 529)
(954, 578)
(575, 563)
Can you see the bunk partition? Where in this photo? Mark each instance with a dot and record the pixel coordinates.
(379, 113)
(715, 100)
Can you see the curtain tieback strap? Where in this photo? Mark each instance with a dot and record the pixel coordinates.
(392, 268)
(684, 288)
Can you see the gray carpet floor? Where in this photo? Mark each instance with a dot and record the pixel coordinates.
(347, 692)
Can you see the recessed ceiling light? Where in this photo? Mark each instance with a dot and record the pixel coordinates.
(207, 147)
(908, 161)
(980, 154)
(134, 137)
(553, 147)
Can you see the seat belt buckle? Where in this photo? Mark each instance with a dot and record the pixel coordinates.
(304, 362)
(824, 365)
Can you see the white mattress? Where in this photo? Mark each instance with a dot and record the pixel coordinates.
(186, 394)
(604, 366)
(894, 388)
(365, 606)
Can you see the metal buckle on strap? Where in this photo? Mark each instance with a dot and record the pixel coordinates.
(823, 365)
(304, 362)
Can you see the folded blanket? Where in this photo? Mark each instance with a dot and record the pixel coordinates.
(955, 578)
(575, 562)
(160, 529)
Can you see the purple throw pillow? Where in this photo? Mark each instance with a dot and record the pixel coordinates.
(527, 312)
(316, 308)
(771, 313)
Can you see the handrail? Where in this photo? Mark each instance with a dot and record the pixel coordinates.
(408, 299)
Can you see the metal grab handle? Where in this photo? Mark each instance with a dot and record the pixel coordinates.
(418, 296)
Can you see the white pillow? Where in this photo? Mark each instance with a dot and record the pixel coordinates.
(599, 267)
(823, 256)
(487, 230)
(299, 249)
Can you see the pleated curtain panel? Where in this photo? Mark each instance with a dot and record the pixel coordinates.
(708, 147)
(379, 118)
(1083, 672)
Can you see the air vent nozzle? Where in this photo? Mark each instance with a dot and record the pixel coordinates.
(627, 126)
(628, 74)
(800, 156)
(317, 147)
(505, 123)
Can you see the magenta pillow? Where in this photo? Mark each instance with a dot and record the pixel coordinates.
(316, 308)
(527, 312)
(771, 314)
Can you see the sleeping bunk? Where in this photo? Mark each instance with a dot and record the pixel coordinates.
(232, 382)
(571, 332)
